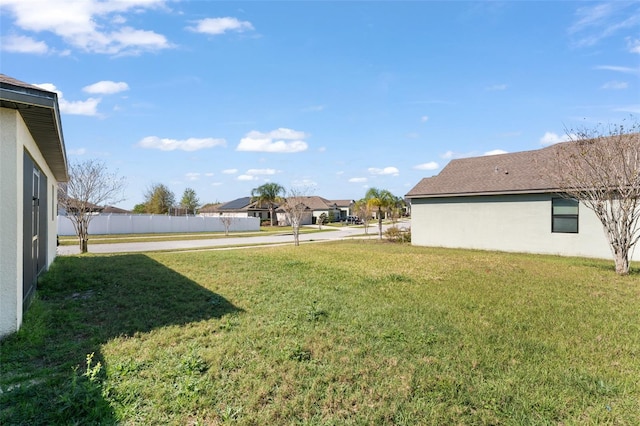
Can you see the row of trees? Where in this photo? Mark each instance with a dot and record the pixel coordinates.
(379, 201)
(159, 199)
(291, 201)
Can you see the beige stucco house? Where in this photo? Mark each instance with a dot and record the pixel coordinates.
(314, 207)
(32, 161)
(504, 202)
(345, 206)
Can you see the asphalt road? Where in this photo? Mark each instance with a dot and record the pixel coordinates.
(286, 237)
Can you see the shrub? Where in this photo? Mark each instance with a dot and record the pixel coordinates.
(398, 235)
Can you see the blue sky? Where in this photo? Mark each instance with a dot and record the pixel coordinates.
(335, 97)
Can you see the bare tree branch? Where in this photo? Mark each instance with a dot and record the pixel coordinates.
(295, 210)
(89, 189)
(601, 168)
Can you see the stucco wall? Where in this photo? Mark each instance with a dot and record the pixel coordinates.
(10, 223)
(519, 223)
(14, 140)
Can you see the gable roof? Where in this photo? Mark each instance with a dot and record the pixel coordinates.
(514, 173)
(313, 202)
(343, 203)
(114, 209)
(317, 203)
(210, 208)
(39, 110)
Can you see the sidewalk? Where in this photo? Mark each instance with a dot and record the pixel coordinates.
(286, 237)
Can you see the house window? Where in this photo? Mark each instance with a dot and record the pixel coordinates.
(564, 215)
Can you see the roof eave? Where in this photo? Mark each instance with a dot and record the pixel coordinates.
(472, 194)
(39, 110)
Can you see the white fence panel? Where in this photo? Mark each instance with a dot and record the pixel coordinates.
(157, 224)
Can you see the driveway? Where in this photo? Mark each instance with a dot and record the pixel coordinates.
(286, 237)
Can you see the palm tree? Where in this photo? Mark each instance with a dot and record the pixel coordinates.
(397, 208)
(269, 194)
(381, 199)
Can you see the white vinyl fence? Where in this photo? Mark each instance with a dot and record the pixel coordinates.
(153, 223)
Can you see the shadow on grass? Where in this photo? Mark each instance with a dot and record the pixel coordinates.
(46, 373)
(607, 265)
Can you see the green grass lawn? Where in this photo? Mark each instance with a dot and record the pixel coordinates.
(357, 332)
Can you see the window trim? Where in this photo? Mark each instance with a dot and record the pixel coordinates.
(575, 216)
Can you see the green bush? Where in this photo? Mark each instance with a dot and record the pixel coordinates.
(398, 235)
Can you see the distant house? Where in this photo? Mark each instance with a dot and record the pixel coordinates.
(504, 202)
(240, 207)
(114, 210)
(345, 206)
(32, 162)
(315, 206)
(73, 208)
(209, 210)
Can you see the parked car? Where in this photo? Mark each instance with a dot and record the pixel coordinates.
(354, 220)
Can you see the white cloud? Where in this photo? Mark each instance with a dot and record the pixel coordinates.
(247, 177)
(90, 25)
(106, 87)
(595, 23)
(386, 171)
(424, 118)
(254, 172)
(496, 87)
(358, 180)
(615, 85)
(230, 171)
(432, 165)
(626, 70)
(634, 45)
(23, 44)
(87, 107)
(192, 176)
(217, 26)
(289, 141)
(495, 152)
(452, 154)
(551, 138)
(216, 183)
(190, 144)
(209, 174)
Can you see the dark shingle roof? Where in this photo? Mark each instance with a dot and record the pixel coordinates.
(237, 204)
(15, 82)
(518, 172)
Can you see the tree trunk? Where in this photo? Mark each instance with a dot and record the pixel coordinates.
(379, 224)
(296, 236)
(84, 244)
(622, 262)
